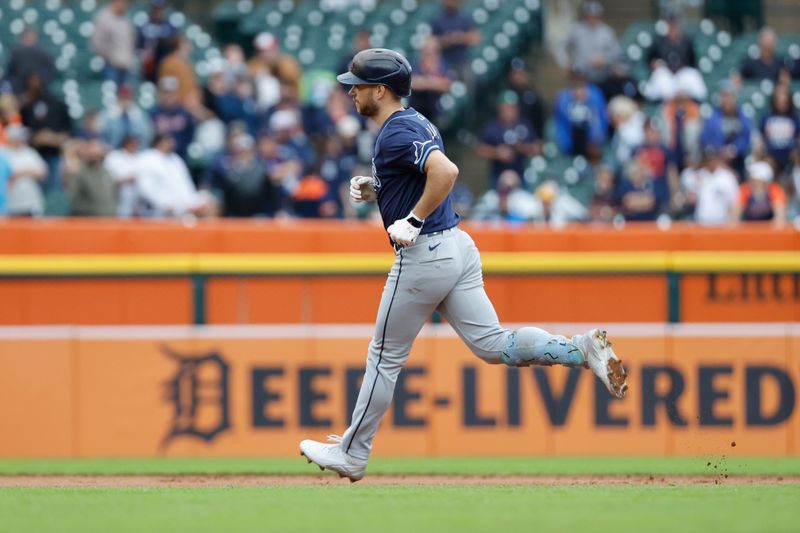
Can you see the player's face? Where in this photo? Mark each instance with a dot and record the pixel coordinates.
(364, 99)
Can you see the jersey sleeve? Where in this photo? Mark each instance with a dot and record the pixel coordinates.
(410, 148)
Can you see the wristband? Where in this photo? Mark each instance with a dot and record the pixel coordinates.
(414, 220)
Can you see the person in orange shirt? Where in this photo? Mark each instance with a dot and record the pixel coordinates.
(760, 198)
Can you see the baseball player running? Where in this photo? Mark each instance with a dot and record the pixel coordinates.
(437, 268)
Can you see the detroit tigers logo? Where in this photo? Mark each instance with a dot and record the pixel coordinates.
(419, 150)
(198, 394)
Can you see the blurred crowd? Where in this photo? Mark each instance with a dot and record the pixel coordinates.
(257, 136)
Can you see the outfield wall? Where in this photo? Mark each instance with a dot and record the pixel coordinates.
(243, 390)
(639, 274)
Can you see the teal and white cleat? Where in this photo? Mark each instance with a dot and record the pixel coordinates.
(600, 357)
(332, 457)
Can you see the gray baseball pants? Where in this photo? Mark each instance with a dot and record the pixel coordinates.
(441, 272)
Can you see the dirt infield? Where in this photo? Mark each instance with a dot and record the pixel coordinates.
(164, 481)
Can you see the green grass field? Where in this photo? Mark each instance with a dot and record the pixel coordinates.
(355, 508)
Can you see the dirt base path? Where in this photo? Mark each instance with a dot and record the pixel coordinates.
(161, 481)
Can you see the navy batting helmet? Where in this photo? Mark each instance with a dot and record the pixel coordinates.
(379, 66)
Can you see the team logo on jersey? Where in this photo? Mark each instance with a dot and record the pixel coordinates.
(377, 184)
(419, 150)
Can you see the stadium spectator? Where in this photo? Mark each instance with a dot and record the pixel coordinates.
(558, 205)
(153, 39)
(114, 39)
(50, 125)
(360, 43)
(673, 63)
(282, 164)
(592, 45)
(681, 127)
(508, 201)
(121, 165)
(431, 79)
(340, 158)
(580, 119)
(27, 58)
(767, 64)
(638, 197)
(712, 191)
(5, 182)
(312, 197)
(232, 63)
(172, 119)
(620, 83)
(164, 185)
(780, 128)
(90, 126)
(604, 203)
(178, 64)
(508, 140)
(125, 118)
(792, 186)
(456, 32)
(532, 106)
(628, 123)
(216, 87)
(92, 191)
(675, 49)
(28, 170)
(244, 184)
(729, 129)
(239, 105)
(659, 161)
(9, 112)
(760, 198)
(269, 59)
(287, 130)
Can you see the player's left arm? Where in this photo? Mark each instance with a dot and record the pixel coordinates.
(441, 176)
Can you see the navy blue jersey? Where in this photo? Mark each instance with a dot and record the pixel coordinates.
(402, 148)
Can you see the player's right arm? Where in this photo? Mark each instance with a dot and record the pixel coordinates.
(441, 176)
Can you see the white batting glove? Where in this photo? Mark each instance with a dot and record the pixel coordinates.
(362, 189)
(404, 231)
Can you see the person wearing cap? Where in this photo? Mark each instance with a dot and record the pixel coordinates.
(592, 45)
(729, 128)
(431, 78)
(507, 141)
(171, 118)
(114, 39)
(760, 198)
(532, 106)
(28, 170)
(580, 118)
(125, 118)
(153, 37)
